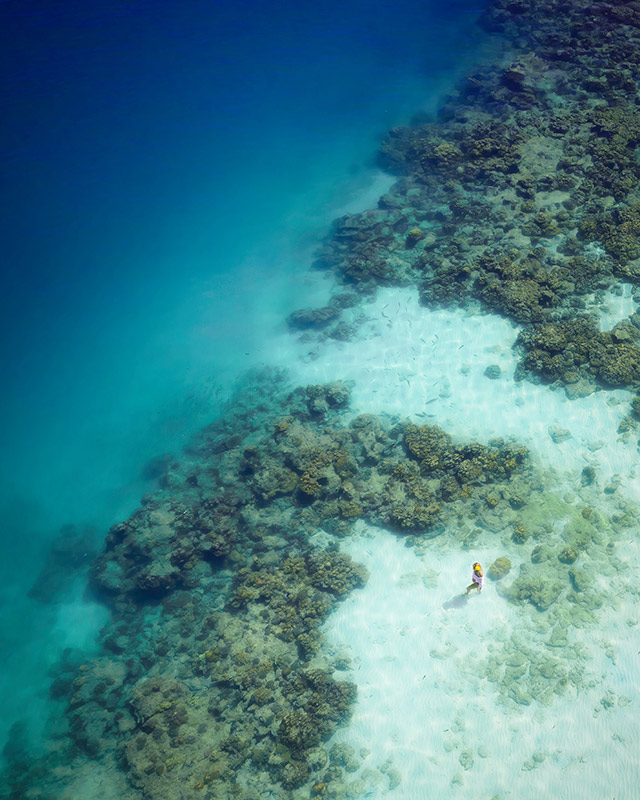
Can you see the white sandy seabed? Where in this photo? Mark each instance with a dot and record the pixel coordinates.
(427, 724)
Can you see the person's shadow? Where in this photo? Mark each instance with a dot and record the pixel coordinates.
(458, 601)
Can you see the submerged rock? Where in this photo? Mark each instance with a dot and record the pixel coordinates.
(534, 588)
(558, 434)
(500, 567)
(310, 318)
(493, 371)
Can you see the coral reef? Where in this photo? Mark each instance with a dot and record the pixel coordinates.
(522, 194)
(574, 350)
(212, 669)
(522, 198)
(499, 568)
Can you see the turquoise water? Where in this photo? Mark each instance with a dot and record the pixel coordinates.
(307, 313)
(168, 170)
(163, 167)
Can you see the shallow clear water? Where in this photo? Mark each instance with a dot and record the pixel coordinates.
(171, 171)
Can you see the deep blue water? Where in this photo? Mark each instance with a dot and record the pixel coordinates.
(165, 166)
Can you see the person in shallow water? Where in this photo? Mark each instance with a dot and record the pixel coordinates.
(477, 578)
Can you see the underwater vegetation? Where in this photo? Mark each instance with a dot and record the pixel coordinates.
(212, 673)
(520, 199)
(212, 665)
